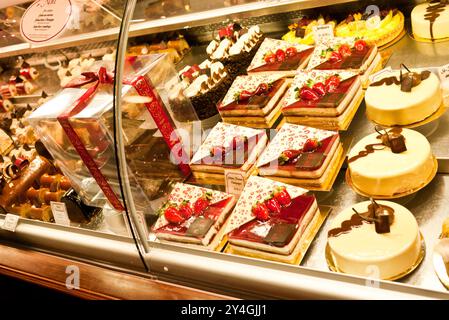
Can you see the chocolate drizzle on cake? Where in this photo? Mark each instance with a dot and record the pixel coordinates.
(433, 12)
(392, 139)
(407, 80)
(381, 215)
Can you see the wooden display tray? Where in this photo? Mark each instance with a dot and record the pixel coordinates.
(300, 250)
(396, 195)
(332, 266)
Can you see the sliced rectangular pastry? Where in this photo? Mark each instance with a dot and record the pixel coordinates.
(272, 221)
(303, 156)
(194, 216)
(253, 99)
(346, 54)
(279, 56)
(227, 148)
(323, 99)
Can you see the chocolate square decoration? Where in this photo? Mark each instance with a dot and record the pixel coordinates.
(199, 227)
(310, 161)
(397, 144)
(280, 234)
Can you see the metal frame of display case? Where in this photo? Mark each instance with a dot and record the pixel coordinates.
(218, 272)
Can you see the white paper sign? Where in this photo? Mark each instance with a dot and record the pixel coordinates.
(11, 221)
(59, 210)
(45, 20)
(322, 33)
(379, 74)
(234, 182)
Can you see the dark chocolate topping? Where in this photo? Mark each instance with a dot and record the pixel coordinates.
(407, 80)
(375, 214)
(433, 12)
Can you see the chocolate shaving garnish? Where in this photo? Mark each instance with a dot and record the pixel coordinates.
(68, 73)
(44, 95)
(26, 147)
(29, 108)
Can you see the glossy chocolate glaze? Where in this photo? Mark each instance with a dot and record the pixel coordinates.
(358, 220)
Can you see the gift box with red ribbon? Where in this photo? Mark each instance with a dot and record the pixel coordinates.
(77, 127)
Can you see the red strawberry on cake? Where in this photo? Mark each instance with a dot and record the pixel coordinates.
(302, 156)
(278, 56)
(323, 99)
(194, 216)
(272, 221)
(227, 148)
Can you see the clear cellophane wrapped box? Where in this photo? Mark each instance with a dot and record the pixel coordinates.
(76, 126)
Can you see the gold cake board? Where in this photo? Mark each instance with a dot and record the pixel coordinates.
(340, 123)
(425, 40)
(333, 267)
(334, 169)
(435, 116)
(300, 250)
(396, 195)
(396, 39)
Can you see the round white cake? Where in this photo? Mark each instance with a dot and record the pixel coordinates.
(384, 173)
(430, 21)
(361, 251)
(387, 105)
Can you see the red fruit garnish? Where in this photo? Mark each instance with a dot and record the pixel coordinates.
(319, 88)
(202, 203)
(185, 210)
(360, 45)
(173, 215)
(280, 55)
(287, 156)
(261, 89)
(282, 196)
(245, 95)
(273, 205)
(261, 211)
(311, 145)
(344, 50)
(307, 93)
(335, 57)
(270, 58)
(291, 51)
(332, 83)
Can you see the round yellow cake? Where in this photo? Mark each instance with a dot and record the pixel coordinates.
(387, 105)
(362, 251)
(384, 173)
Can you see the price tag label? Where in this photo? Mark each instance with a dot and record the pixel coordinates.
(380, 74)
(45, 20)
(443, 72)
(322, 33)
(60, 215)
(11, 221)
(234, 182)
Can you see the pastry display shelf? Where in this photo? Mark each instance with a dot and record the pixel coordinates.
(185, 21)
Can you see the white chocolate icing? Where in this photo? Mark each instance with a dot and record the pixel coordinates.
(213, 45)
(388, 105)
(222, 50)
(362, 251)
(385, 173)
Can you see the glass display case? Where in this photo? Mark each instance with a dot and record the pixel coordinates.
(116, 136)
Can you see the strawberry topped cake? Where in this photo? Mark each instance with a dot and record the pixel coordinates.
(279, 56)
(272, 221)
(253, 100)
(346, 54)
(303, 156)
(227, 148)
(194, 215)
(324, 99)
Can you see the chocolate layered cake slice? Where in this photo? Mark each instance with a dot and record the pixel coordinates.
(278, 56)
(302, 156)
(227, 148)
(346, 54)
(194, 216)
(272, 221)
